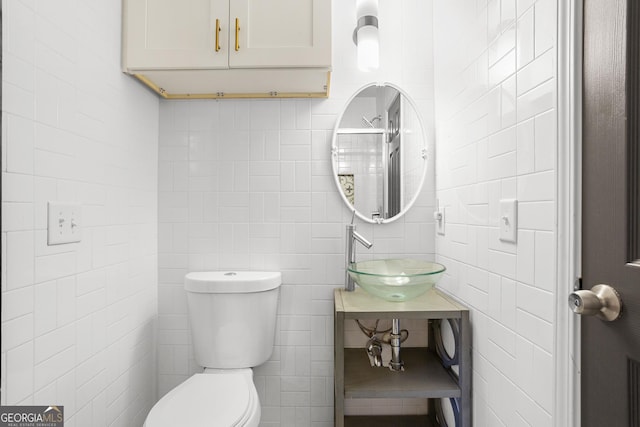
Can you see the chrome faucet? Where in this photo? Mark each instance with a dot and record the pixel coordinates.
(350, 253)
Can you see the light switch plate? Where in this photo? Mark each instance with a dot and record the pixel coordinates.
(63, 224)
(508, 220)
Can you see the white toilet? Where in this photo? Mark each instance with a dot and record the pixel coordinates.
(233, 322)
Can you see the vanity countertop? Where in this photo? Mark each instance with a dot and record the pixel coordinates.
(360, 304)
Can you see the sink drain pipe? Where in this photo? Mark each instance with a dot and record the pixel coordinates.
(396, 364)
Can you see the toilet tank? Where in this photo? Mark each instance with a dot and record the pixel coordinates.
(232, 317)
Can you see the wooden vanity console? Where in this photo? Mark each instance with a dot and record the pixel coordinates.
(424, 377)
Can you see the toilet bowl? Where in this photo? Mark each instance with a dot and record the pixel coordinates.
(232, 318)
(213, 398)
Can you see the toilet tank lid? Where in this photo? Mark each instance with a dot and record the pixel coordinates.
(229, 282)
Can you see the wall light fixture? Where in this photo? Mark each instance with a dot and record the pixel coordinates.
(365, 36)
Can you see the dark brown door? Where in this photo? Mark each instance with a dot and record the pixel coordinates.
(394, 172)
(610, 237)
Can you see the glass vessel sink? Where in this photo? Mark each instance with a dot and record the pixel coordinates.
(396, 279)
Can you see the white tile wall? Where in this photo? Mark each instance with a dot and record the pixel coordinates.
(264, 228)
(246, 184)
(78, 320)
(495, 103)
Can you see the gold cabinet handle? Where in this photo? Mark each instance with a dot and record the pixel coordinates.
(237, 32)
(217, 35)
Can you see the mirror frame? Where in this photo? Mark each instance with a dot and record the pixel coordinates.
(334, 153)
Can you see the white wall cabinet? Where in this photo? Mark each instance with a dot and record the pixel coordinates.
(281, 33)
(264, 48)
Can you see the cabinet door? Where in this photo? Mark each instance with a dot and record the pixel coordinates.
(280, 33)
(171, 34)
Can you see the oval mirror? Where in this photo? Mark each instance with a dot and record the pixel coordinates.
(379, 153)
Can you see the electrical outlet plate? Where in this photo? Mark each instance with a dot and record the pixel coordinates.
(439, 217)
(508, 220)
(64, 221)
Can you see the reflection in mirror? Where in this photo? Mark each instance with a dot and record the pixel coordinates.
(379, 153)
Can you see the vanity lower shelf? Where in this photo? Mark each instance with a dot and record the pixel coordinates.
(390, 420)
(424, 377)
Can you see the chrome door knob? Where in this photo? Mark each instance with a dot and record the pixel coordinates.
(601, 301)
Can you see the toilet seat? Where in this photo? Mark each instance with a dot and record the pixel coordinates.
(210, 399)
